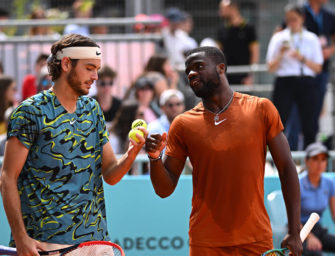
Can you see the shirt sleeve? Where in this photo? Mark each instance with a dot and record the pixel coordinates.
(272, 48)
(317, 52)
(252, 34)
(23, 124)
(273, 124)
(175, 144)
(332, 188)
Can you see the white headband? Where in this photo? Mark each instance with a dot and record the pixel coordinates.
(79, 52)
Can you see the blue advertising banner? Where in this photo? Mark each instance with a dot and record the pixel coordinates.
(147, 225)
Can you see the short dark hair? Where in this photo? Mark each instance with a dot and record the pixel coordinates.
(54, 65)
(5, 82)
(40, 57)
(106, 71)
(214, 53)
(156, 63)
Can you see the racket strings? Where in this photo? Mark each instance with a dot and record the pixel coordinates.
(94, 250)
(274, 253)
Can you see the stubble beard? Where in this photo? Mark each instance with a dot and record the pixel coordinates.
(208, 88)
(75, 83)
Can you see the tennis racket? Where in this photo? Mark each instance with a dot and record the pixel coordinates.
(306, 229)
(94, 248)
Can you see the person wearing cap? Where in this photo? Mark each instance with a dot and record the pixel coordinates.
(29, 84)
(176, 40)
(44, 81)
(317, 194)
(57, 156)
(172, 104)
(145, 95)
(109, 103)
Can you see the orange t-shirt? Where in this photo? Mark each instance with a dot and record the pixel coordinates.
(228, 162)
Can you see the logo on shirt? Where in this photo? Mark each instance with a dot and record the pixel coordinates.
(219, 122)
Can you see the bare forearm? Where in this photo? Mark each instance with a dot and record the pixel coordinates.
(12, 206)
(161, 179)
(274, 64)
(291, 192)
(254, 56)
(117, 169)
(311, 64)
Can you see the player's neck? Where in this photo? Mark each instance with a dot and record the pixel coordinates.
(66, 96)
(219, 101)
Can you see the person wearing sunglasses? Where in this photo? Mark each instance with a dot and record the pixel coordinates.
(108, 102)
(171, 102)
(44, 80)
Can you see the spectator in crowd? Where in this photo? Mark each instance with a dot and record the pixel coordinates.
(7, 95)
(238, 41)
(3, 16)
(160, 70)
(108, 102)
(145, 94)
(172, 104)
(29, 85)
(320, 21)
(39, 13)
(317, 194)
(44, 80)
(81, 10)
(176, 41)
(187, 23)
(295, 55)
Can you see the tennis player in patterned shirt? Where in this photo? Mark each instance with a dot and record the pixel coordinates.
(56, 155)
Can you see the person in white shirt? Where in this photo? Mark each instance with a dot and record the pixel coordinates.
(176, 40)
(172, 104)
(295, 56)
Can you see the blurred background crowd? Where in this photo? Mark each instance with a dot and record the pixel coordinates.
(273, 50)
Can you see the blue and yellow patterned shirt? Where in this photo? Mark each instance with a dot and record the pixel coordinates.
(60, 185)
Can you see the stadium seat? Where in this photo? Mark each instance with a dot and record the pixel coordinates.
(278, 217)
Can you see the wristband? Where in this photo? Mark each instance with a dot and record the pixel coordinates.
(303, 60)
(156, 159)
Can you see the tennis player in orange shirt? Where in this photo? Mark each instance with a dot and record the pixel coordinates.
(226, 138)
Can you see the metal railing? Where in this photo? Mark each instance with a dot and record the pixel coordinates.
(298, 157)
(64, 22)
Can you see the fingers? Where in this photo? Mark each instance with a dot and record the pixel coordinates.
(140, 136)
(155, 143)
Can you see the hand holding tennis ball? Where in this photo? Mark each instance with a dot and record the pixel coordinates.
(134, 129)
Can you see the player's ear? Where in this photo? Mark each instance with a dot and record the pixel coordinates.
(66, 64)
(222, 68)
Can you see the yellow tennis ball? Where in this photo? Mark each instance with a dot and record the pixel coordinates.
(132, 134)
(138, 123)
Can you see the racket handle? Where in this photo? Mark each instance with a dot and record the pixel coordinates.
(306, 229)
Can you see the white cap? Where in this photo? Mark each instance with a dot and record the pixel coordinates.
(167, 94)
